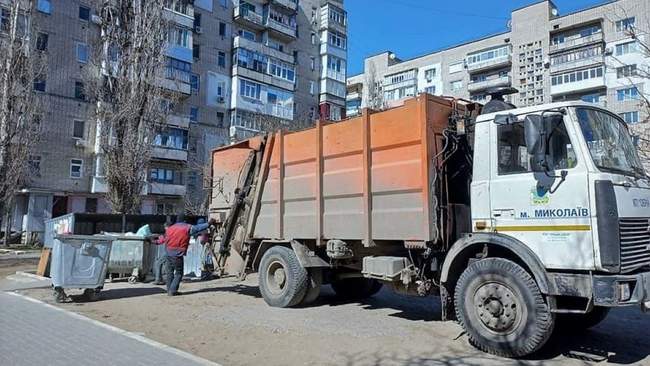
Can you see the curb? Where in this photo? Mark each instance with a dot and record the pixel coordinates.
(32, 275)
(134, 336)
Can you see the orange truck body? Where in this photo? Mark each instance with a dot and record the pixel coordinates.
(369, 178)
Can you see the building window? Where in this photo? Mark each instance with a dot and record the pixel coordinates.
(41, 41)
(84, 13)
(179, 37)
(484, 56)
(456, 67)
(82, 52)
(313, 63)
(626, 71)
(220, 119)
(178, 70)
(195, 83)
(194, 114)
(337, 39)
(34, 165)
(430, 74)
(44, 6)
(456, 85)
(173, 138)
(196, 51)
(626, 48)
(337, 15)
(78, 129)
(251, 60)
(282, 70)
(39, 83)
(313, 38)
(591, 98)
(166, 176)
(248, 35)
(577, 55)
(221, 59)
(430, 90)
(312, 87)
(627, 94)
(250, 89)
(222, 29)
(630, 117)
(224, 3)
(91, 205)
(76, 168)
(625, 24)
(79, 92)
(577, 76)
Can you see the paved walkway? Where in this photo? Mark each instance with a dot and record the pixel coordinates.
(34, 333)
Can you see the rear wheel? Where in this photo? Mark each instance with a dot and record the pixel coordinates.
(502, 309)
(356, 287)
(283, 281)
(578, 322)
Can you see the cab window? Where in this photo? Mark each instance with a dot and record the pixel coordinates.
(513, 153)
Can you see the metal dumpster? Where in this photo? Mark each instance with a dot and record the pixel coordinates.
(130, 258)
(80, 261)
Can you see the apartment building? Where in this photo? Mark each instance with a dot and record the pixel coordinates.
(547, 56)
(230, 66)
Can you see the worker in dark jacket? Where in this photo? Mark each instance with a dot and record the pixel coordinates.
(177, 240)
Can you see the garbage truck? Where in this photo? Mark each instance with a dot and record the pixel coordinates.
(519, 219)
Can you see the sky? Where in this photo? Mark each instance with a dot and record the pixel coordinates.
(411, 28)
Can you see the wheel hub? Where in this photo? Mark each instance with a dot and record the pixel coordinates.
(276, 278)
(496, 306)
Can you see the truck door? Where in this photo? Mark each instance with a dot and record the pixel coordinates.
(546, 212)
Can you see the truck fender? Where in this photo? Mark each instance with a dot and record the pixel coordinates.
(306, 257)
(465, 247)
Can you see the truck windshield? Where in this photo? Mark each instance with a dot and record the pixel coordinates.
(609, 142)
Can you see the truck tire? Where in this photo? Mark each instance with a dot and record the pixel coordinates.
(580, 322)
(283, 281)
(502, 309)
(315, 282)
(356, 288)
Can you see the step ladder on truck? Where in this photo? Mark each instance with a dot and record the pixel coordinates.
(520, 219)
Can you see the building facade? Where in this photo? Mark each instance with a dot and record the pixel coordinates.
(547, 56)
(231, 65)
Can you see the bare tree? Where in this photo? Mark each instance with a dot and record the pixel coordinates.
(375, 96)
(633, 74)
(20, 69)
(125, 83)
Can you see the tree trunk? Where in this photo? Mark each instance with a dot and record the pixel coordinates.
(7, 225)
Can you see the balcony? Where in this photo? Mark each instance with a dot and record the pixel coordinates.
(489, 83)
(576, 42)
(281, 30)
(334, 75)
(186, 20)
(328, 49)
(262, 77)
(165, 153)
(178, 121)
(327, 23)
(248, 18)
(578, 86)
(291, 5)
(590, 61)
(241, 42)
(98, 185)
(166, 189)
(176, 80)
(495, 63)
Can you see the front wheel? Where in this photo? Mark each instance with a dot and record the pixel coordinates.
(502, 309)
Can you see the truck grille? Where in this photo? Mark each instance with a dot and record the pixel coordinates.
(635, 243)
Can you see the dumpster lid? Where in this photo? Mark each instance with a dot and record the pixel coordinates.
(98, 237)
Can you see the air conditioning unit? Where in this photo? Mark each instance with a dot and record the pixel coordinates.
(198, 30)
(96, 19)
(221, 100)
(609, 51)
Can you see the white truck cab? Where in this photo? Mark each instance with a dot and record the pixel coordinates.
(579, 198)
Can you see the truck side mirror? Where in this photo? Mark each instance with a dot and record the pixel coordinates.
(535, 133)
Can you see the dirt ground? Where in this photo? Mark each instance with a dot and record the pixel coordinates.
(9, 266)
(228, 322)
